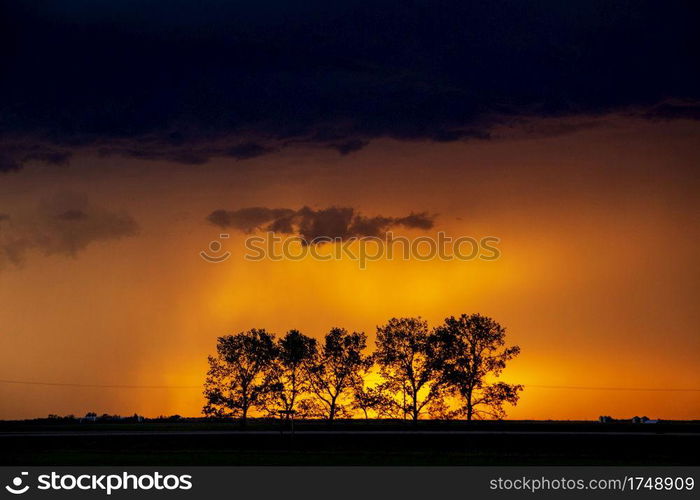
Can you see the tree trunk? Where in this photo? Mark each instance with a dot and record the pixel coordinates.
(470, 407)
(331, 413)
(244, 405)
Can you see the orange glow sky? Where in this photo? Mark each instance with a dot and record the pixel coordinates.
(598, 280)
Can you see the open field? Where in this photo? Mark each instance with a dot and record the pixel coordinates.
(349, 443)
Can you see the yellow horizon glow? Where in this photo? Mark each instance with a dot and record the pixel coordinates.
(597, 283)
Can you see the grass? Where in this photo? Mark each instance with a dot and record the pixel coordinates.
(668, 443)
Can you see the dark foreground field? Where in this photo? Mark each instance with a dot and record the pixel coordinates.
(350, 443)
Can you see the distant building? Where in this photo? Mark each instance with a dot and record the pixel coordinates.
(643, 420)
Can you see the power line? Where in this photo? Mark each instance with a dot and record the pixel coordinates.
(101, 386)
(120, 386)
(586, 388)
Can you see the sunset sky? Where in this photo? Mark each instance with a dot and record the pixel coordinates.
(570, 131)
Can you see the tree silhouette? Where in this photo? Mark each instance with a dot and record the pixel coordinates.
(407, 362)
(421, 371)
(335, 369)
(366, 399)
(237, 380)
(379, 399)
(287, 377)
(470, 349)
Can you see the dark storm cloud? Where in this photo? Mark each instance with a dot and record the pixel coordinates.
(184, 81)
(247, 150)
(14, 155)
(248, 219)
(674, 111)
(193, 150)
(418, 221)
(348, 147)
(65, 224)
(316, 225)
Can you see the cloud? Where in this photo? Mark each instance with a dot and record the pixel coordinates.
(674, 110)
(65, 224)
(186, 82)
(316, 226)
(417, 221)
(345, 148)
(191, 151)
(247, 150)
(248, 219)
(14, 155)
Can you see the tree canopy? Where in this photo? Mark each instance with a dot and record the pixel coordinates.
(446, 372)
(472, 348)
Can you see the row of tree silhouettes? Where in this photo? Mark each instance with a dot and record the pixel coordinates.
(446, 372)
